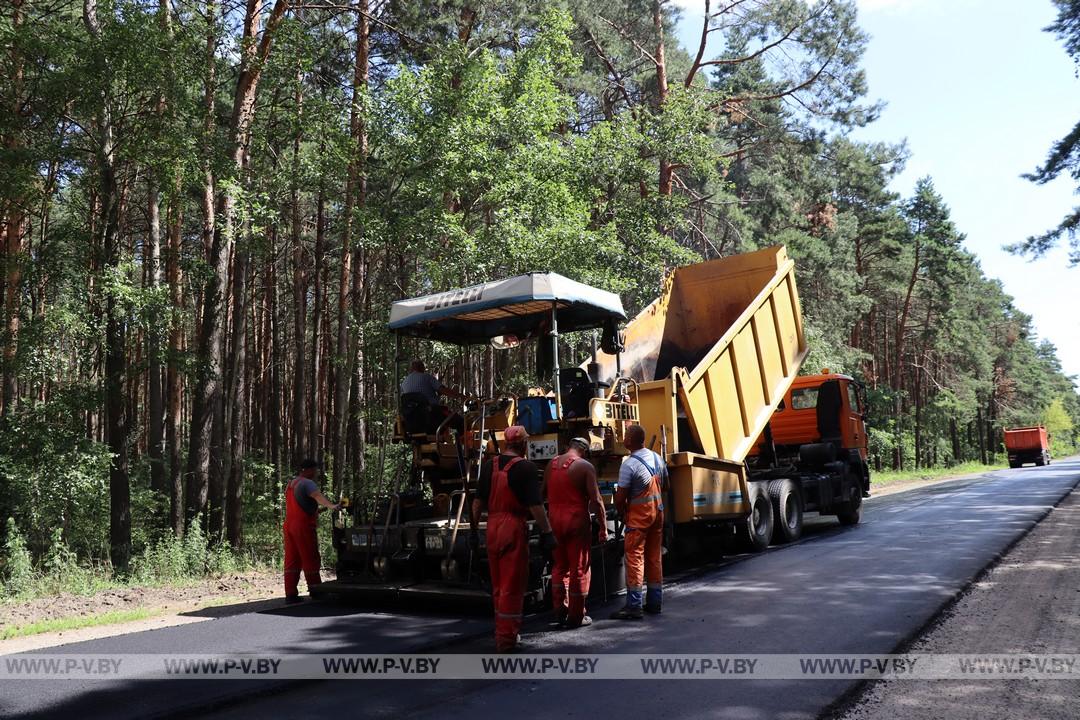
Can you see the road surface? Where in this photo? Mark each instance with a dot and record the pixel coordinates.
(865, 589)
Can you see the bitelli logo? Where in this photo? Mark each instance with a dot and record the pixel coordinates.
(620, 411)
(454, 297)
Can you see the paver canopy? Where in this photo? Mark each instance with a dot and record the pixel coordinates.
(517, 306)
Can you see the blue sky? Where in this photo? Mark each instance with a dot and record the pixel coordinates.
(980, 93)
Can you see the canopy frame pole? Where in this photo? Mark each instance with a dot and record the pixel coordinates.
(397, 366)
(555, 358)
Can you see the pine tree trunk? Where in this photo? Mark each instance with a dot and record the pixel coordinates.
(155, 401)
(664, 185)
(314, 421)
(174, 379)
(198, 484)
(979, 434)
(955, 436)
(236, 405)
(299, 376)
(12, 228)
(355, 192)
(115, 336)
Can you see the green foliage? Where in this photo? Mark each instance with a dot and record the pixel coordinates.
(17, 569)
(1064, 155)
(1060, 428)
(60, 570)
(173, 559)
(54, 478)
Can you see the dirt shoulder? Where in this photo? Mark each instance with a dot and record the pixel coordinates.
(1028, 603)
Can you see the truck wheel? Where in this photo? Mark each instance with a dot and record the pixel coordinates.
(787, 510)
(852, 509)
(759, 524)
(1014, 465)
(1039, 461)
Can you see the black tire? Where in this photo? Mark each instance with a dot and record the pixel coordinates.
(1014, 465)
(787, 510)
(851, 511)
(1040, 461)
(759, 524)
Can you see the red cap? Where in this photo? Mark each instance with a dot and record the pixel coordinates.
(515, 434)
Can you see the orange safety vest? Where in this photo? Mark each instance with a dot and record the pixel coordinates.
(648, 506)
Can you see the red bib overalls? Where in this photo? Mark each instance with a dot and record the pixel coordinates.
(508, 555)
(568, 511)
(301, 545)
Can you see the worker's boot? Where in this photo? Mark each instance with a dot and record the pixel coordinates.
(628, 613)
(654, 599)
(632, 611)
(505, 645)
(586, 621)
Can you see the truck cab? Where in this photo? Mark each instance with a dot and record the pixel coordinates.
(827, 407)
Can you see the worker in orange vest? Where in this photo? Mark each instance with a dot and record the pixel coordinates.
(302, 501)
(572, 494)
(639, 501)
(509, 490)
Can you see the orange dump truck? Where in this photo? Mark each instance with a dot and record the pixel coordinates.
(749, 443)
(1027, 445)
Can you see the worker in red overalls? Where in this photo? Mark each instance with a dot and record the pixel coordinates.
(639, 501)
(509, 490)
(572, 494)
(302, 501)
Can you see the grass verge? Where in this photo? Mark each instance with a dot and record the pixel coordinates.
(76, 622)
(888, 478)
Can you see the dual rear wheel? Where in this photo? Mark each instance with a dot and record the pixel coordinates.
(776, 513)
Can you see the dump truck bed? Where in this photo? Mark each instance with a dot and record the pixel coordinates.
(1026, 438)
(725, 339)
(713, 357)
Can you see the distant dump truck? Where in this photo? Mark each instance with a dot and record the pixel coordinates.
(710, 369)
(1027, 445)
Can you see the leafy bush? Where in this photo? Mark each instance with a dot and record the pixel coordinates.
(64, 573)
(53, 477)
(173, 559)
(16, 566)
